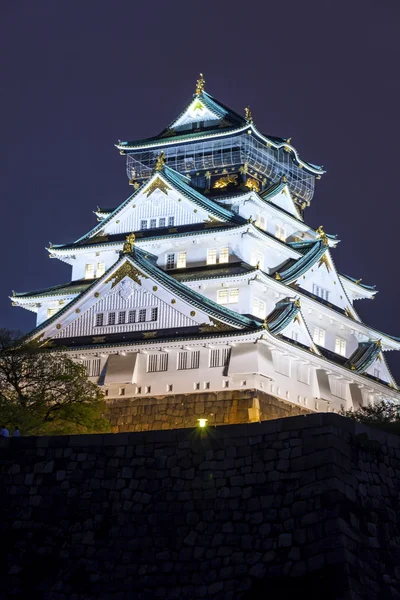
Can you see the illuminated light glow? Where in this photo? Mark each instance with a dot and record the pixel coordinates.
(202, 423)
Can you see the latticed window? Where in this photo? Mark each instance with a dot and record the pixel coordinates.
(132, 316)
(143, 224)
(320, 292)
(142, 315)
(280, 232)
(89, 271)
(92, 367)
(188, 359)
(224, 255)
(303, 373)
(157, 362)
(222, 296)
(181, 262)
(161, 222)
(319, 336)
(219, 357)
(228, 296)
(111, 318)
(170, 261)
(338, 387)
(340, 346)
(153, 223)
(211, 256)
(99, 319)
(259, 308)
(121, 317)
(233, 296)
(283, 365)
(101, 269)
(51, 312)
(154, 314)
(171, 221)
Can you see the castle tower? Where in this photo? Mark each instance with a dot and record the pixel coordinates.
(205, 293)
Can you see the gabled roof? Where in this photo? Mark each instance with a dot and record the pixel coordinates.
(313, 251)
(364, 355)
(144, 265)
(72, 287)
(181, 183)
(279, 195)
(204, 107)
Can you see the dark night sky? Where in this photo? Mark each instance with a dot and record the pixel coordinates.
(76, 76)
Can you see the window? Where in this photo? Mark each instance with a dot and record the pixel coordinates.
(211, 256)
(188, 359)
(259, 308)
(89, 272)
(51, 312)
(143, 224)
(303, 373)
(99, 319)
(157, 362)
(206, 385)
(224, 255)
(111, 318)
(219, 357)
(280, 232)
(225, 384)
(181, 262)
(196, 386)
(147, 389)
(101, 269)
(228, 296)
(170, 387)
(154, 314)
(170, 261)
(319, 336)
(320, 292)
(153, 223)
(142, 315)
(121, 391)
(338, 387)
(92, 367)
(132, 316)
(161, 222)
(171, 221)
(340, 346)
(233, 296)
(283, 365)
(257, 259)
(121, 317)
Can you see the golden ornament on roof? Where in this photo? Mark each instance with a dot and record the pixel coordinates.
(200, 85)
(223, 182)
(322, 235)
(129, 244)
(252, 184)
(160, 162)
(248, 115)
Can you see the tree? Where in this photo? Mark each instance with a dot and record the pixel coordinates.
(384, 415)
(44, 392)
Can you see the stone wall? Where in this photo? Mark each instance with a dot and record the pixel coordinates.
(302, 507)
(144, 413)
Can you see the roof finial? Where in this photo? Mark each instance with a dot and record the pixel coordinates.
(248, 115)
(160, 162)
(322, 235)
(200, 85)
(129, 244)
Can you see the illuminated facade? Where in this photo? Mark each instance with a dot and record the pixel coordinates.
(207, 278)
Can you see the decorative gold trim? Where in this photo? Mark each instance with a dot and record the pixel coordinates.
(213, 325)
(201, 82)
(252, 184)
(150, 334)
(324, 261)
(99, 339)
(129, 244)
(160, 162)
(223, 182)
(126, 270)
(157, 184)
